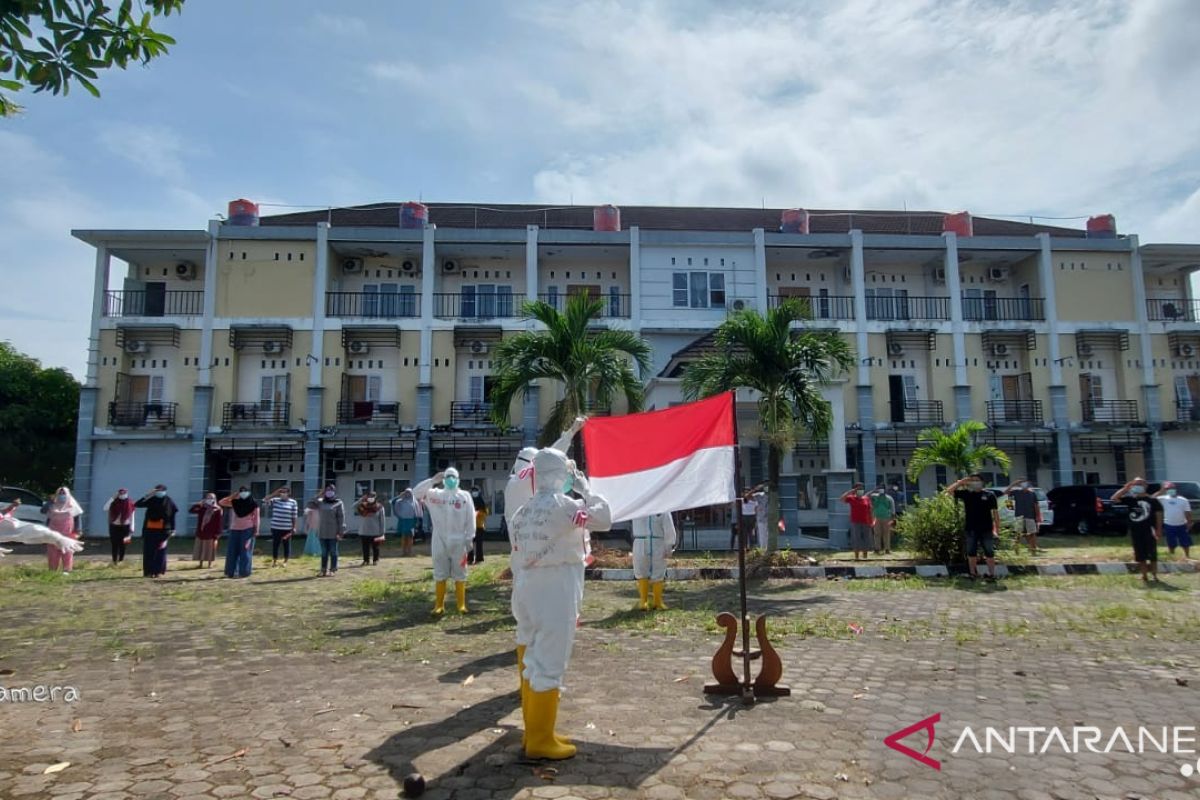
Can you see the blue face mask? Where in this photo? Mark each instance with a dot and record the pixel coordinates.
(62, 498)
(160, 494)
(450, 483)
(1170, 493)
(568, 484)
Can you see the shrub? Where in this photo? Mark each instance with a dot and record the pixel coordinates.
(932, 528)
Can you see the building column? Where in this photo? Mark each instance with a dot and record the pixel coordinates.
(531, 262)
(89, 398)
(529, 416)
(760, 270)
(198, 484)
(1059, 414)
(1156, 459)
(866, 422)
(635, 278)
(1156, 463)
(864, 394)
(962, 389)
(835, 395)
(422, 460)
(1064, 466)
(962, 403)
(837, 483)
(203, 392)
(314, 476)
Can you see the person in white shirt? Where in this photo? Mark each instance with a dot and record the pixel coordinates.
(1177, 519)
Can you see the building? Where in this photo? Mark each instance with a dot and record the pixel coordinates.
(351, 344)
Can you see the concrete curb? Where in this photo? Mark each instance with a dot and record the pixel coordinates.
(850, 571)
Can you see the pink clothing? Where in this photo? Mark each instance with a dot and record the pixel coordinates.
(60, 522)
(248, 522)
(312, 519)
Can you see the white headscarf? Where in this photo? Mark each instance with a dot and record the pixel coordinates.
(66, 505)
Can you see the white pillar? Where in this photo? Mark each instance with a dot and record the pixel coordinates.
(859, 287)
(99, 296)
(1139, 311)
(635, 278)
(760, 270)
(204, 377)
(954, 287)
(531, 262)
(835, 396)
(320, 286)
(428, 273)
(1046, 278)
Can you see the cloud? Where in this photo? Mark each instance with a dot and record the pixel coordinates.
(157, 150)
(340, 25)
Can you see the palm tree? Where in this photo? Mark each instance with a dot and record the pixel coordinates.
(787, 367)
(956, 451)
(593, 364)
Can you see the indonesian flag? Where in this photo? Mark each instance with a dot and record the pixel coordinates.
(669, 460)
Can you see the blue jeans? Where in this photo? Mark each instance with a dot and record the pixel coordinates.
(329, 555)
(238, 557)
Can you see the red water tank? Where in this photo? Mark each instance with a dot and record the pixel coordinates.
(414, 215)
(1102, 226)
(243, 212)
(793, 220)
(959, 223)
(606, 218)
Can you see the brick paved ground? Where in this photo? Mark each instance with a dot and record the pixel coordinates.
(290, 686)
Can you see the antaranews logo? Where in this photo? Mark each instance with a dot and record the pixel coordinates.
(1178, 740)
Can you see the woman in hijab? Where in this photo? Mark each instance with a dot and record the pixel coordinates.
(62, 516)
(208, 527)
(120, 523)
(331, 527)
(312, 526)
(157, 527)
(370, 530)
(242, 530)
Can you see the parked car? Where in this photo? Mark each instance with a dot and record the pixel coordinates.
(30, 509)
(1006, 505)
(1087, 509)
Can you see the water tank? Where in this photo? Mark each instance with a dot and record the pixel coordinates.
(243, 212)
(793, 220)
(1102, 226)
(959, 223)
(606, 218)
(414, 215)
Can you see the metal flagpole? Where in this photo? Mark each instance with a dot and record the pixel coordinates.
(747, 691)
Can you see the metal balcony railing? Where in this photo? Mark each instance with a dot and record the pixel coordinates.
(1111, 412)
(142, 303)
(1003, 309)
(594, 409)
(919, 412)
(367, 412)
(1014, 412)
(141, 415)
(260, 414)
(1173, 310)
(471, 413)
(475, 306)
(826, 307)
(380, 305)
(908, 308)
(1187, 410)
(615, 305)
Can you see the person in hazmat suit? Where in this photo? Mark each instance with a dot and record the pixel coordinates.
(548, 554)
(453, 517)
(654, 539)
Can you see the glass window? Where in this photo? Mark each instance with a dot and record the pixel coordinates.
(389, 304)
(370, 300)
(407, 302)
(614, 301)
(504, 301)
(485, 304)
(552, 297)
(679, 289)
(716, 289)
(467, 306)
(698, 290)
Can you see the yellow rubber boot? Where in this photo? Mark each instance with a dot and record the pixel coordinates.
(460, 593)
(439, 597)
(644, 594)
(657, 587)
(525, 695)
(541, 712)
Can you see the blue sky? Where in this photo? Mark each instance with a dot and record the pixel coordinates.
(1056, 109)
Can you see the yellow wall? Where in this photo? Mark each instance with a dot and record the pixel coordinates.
(1099, 287)
(261, 286)
(443, 372)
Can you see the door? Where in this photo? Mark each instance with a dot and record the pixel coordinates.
(407, 301)
(1011, 387)
(156, 299)
(1193, 384)
(504, 301)
(1025, 307)
(485, 300)
(389, 300)
(896, 396)
(273, 398)
(1091, 391)
(1187, 393)
(370, 300)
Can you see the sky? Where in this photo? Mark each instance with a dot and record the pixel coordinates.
(1052, 109)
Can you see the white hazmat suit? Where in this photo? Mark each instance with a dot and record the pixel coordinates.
(18, 531)
(548, 554)
(452, 515)
(654, 538)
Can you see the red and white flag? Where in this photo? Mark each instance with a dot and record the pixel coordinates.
(669, 460)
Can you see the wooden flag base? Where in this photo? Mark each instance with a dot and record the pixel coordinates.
(767, 682)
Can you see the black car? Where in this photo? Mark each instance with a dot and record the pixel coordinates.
(1087, 509)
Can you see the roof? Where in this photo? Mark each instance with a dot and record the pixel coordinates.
(669, 218)
(706, 345)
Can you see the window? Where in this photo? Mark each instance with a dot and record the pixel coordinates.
(679, 289)
(887, 304)
(504, 301)
(370, 300)
(614, 301)
(552, 297)
(716, 289)
(698, 289)
(467, 305)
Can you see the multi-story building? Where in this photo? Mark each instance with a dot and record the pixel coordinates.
(352, 345)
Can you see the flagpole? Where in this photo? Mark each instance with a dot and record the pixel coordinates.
(747, 691)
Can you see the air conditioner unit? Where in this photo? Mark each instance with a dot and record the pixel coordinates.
(352, 266)
(479, 347)
(1083, 349)
(895, 349)
(409, 266)
(272, 347)
(341, 465)
(939, 275)
(239, 467)
(185, 271)
(737, 305)
(359, 348)
(137, 347)
(1185, 351)
(997, 274)
(999, 349)
(449, 265)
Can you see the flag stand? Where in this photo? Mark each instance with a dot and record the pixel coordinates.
(727, 682)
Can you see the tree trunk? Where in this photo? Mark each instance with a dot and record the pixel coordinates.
(774, 461)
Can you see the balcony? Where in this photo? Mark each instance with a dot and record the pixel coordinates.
(143, 303)
(368, 412)
(474, 306)
(908, 308)
(1111, 412)
(1003, 309)
(820, 307)
(594, 409)
(1014, 412)
(1187, 410)
(918, 412)
(375, 305)
(471, 414)
(1173, 310)
(141, 415)
(261, 414)
(615, 305)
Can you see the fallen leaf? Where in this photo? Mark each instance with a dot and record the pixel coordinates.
(470, 679)
(7, 671)
(1181, 681)
(856, 629)
(284, 742)
(859, 696)
(1020, 672)
(77, 725)
(591, 726)
(260, 672)
(231, 756)
(459, 650)
(612, 733)
(682, 679)
(405, 705)
(53, 768)
(328, 746)
(841, 776)
(323, 711)
(545, 773)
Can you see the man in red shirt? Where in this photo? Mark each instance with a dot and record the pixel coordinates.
(862, 521)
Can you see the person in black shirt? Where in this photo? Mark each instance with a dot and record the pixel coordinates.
(1145, 525)
(982, 524)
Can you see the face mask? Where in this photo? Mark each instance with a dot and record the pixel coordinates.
(568, 484)
(160, 494)
(210, 501)
(858, 492)
(243, 495)
(976, 487)
(1170, 492)
(62, 498)
(122, 495)
(1136, 490)
(330, 495)
(450, 483)
(371, 499)
(1025, 485)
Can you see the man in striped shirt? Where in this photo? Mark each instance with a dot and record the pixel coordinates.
(282, 512)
